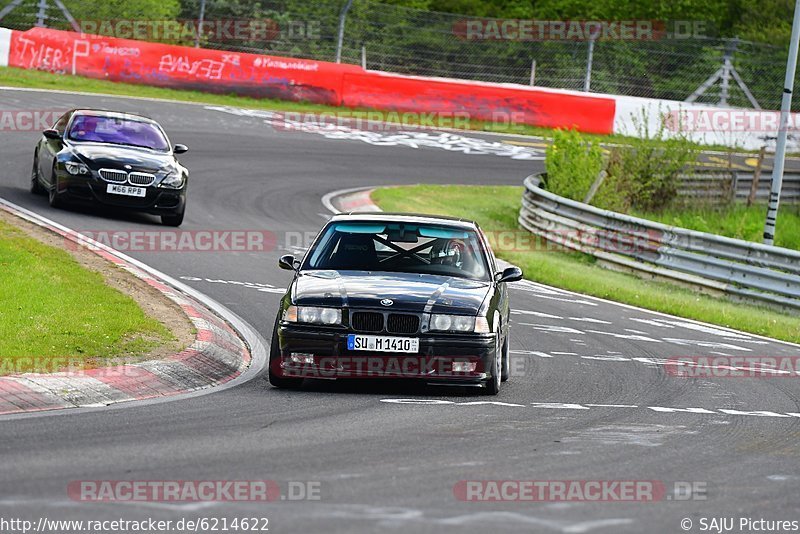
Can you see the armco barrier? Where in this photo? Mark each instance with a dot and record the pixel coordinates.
(126, 60)
(5, 44)
(483, 101)
(746, 270)
(132, 61)
(722, 186)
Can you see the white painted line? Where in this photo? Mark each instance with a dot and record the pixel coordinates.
(536, 314)
(666, 315)
(612, 405)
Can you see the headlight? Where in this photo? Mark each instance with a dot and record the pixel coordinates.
(76, 168)
(458, 323)
(173, 180)
(313, 315)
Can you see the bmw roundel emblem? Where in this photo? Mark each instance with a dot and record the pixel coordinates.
(387, 302)
(128, 167)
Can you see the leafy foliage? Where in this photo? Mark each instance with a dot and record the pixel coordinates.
(573, 164)
(643, 173)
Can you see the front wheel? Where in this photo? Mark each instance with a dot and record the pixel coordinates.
(36, 187)
(53, 197)
(172, 220)
(506, 372)
(493, 383)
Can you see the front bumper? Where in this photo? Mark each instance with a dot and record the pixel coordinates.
(92, 190)
(332, 359)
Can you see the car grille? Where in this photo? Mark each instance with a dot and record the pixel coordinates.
(120, 177)
(141, 178)
(395, 323)
(367, 321)
(113, 175)
(402, 324)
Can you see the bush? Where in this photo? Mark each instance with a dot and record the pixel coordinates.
(573, 164)
(643, 174)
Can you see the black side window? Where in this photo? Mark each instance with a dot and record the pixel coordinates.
(61, 124)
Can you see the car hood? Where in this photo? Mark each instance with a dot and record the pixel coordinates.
(408, 292)
(98, 156)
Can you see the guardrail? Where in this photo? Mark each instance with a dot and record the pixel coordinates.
(723, 185)
(742, 269)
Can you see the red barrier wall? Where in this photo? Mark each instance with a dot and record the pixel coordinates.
(124, 60)
(131, 61)
(551, 109)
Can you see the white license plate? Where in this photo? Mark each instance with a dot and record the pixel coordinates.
(383, 343)
(126, 190)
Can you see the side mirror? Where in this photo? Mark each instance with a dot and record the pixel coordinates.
(51, 134)
(287, 262)
(512, 274)
(180, 149)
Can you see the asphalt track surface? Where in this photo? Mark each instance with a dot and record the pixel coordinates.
(588, 401)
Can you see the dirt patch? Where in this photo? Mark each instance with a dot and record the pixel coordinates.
(152, 301)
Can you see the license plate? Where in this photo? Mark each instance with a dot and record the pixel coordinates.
(126, 190)
(383, 343)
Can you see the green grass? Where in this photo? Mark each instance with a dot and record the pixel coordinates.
(495, 208)
(34, 79)
(54, 312)
(739, 221)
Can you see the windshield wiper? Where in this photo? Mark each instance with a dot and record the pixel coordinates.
(118, 144)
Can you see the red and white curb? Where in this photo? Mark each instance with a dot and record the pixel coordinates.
(356, 199)
(224, 351)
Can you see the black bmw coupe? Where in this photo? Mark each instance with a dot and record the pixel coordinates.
(395, 295)
(111, 158)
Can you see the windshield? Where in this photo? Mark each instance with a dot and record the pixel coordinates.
(118, 131)
(400, 247)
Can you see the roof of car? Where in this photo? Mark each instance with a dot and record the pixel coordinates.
(405, 217)
(113, 114)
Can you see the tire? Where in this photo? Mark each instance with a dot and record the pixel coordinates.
(493, 383)
(36, 187)
(274, 361)
(172, 220)
(506, 367)
(54, 198)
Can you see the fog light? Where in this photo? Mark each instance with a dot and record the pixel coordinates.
(301, 357)
(464, 367)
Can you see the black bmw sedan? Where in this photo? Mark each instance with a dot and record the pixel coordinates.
(111, 158)
(398, 296)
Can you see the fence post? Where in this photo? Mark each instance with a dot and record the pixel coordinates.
(340, 39)
(756, 176)
(587, 81)
(533, 72)
(364, 57)
(200, 23)
(41, 15)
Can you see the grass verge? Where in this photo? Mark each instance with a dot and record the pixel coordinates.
(54, 313)
(738, 220)
(496, 208)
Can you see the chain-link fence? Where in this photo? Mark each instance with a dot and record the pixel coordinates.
(412, 41)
